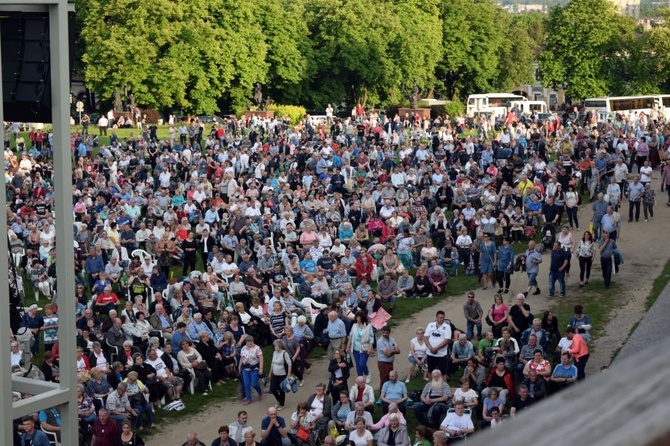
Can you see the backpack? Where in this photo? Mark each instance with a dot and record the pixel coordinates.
(175, 406)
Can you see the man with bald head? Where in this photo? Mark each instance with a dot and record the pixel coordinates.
(161, 321)
(337, 334)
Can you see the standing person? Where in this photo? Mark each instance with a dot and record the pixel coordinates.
(129, 437)
(106, 432)
(665, 180)
(579, 350)
(519, 317)
(361, 339)
(472, 310)
(438, 338)
(648, 200)
(606, 247)
(559, 263)
(251, 363)
(505, 265)
(498, 314)
(223, 439)
(585, 251)
(280, 369)
(337, 334)
(635, 195)
(533, 260)
(387, 348)
(572, 206)
(487, 260)
(599, 210)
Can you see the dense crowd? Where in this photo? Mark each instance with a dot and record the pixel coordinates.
(193, 251)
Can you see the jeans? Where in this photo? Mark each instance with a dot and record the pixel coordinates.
(606, 265)
(361, 362)
(471, 329)
(572, 217)
(553, 277)
(596, 227)
(452, 263)
(250, 379)
(633, 205)
(585, 268)
(581, 367)
(276, 389)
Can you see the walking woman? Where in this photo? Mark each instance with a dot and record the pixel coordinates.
(585, 250)
(572, 206)
(487, 259)
(280, 370)
(568, 244)
(292, 346)
(606, 246)
(251, 363)
(361, 338)
(505, 267)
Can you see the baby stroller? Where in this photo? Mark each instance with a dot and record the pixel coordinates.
(548, 238)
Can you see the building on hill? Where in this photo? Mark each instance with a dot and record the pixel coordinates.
(628, 7)
(535, 91)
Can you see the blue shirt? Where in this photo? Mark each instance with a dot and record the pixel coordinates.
(336, 329)
(308, 265)
(386, 344)
(561, 371)
(394, 391)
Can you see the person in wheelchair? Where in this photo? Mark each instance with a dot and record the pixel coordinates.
(457, 424)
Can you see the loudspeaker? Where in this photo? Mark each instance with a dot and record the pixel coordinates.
(26, 67)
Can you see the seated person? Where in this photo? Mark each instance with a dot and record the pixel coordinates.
(457, 423)
(493, 401)
(358, 412)
(466, 395)
(564, 375)
(106, 301)
(537, 385)
(527, 353)
(435, 400)
(461, 352)
(437, 278)
(387, 290)
(393, 391)
(384, 421)
(521, 401)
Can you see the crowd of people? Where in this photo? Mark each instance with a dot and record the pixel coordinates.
(194, 251)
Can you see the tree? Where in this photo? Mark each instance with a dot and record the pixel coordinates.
(367, 51)
(185, 54)
(477, 45)
(586, 48)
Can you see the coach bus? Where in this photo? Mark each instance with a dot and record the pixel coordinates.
(497, 103)
(627, 104)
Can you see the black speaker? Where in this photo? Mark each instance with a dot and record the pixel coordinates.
(26, 68)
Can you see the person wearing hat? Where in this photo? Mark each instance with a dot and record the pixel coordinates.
(387, 348)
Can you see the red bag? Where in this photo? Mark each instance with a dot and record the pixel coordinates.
(303, 433)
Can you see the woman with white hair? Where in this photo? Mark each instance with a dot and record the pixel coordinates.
(393, 434)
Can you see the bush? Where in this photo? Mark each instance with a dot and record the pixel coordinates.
(453, 108)
(295, 112)
(152, 116)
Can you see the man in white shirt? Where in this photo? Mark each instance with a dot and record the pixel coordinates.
(16, 353)
(457, 423)
(103, 123)
(438, 338)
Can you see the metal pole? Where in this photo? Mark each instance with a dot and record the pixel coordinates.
(7, 436)
(60, 88)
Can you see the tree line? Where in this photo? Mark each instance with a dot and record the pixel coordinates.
(206, 55)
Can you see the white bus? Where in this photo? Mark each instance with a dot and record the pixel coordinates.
(626, 104)
(528, 107)
(496, 103)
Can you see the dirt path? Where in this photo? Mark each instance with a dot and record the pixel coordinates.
(645, 254)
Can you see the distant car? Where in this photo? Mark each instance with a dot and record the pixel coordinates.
(210, 119)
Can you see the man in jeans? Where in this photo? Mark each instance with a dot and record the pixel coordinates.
(472, 310)
(635, 194)
(559, 261)
(533, 260)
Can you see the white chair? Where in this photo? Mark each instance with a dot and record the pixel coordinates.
(142, 254)
(18, 256)
(113, 351)
(53, 437)
(312, 307)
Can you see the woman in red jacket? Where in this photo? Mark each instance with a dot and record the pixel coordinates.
(364, 265)
(500, 378)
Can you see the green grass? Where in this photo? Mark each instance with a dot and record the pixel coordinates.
(658, 286)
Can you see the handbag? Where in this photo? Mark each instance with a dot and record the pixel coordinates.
(202, 365)
(302, 433)
(488, 319)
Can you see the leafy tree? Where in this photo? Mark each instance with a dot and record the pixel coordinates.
(586, 49)
(167, 53)
(476, 46)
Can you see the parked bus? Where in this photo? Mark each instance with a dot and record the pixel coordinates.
(528, 107)
(496, 103)
(627, 104)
